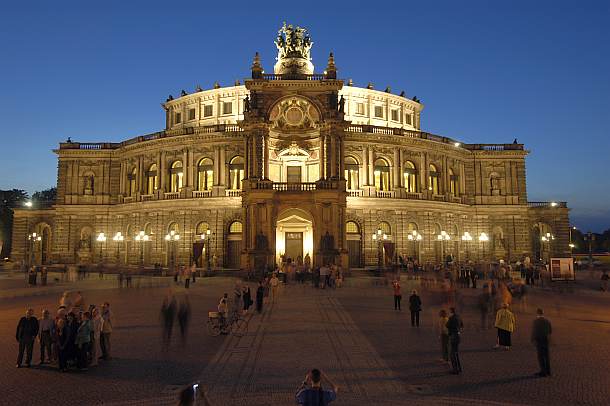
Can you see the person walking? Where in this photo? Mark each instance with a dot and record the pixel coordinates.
(415, 307)
(260, 295)
(454, 328)
(107, 320)
(247, 298)
(96, 329)
(311, 393)
(187, 277)
(541, 332)
(484, 304)
(83, 339)
(168, 314)
(505, 323)
(27, 330)
(274, 282)
(443, 335)
(45, 335)
(397, 294)
(184, 318)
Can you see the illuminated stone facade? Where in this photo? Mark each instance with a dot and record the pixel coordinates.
(290, 163)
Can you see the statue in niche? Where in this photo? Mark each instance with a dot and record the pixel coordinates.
(261, 242)
(341, 105)
(327, 242)
(246, 104)
(88, 189)
(85, 240)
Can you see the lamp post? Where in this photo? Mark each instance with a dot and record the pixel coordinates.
(415, 237)
(101, 239)
(171, 239)
(118, 239)
(379, 237)
(207, 241)
(466, 238)
(571, 244)
(33, 238)
(141, 238)
(590, 237)
(546, 239)
(442, 237)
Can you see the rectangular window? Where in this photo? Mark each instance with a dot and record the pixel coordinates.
(360, 108)
(191, 114)
(293, 174)
(394, 115)
(227, 108)
(378, 111)
(408, 119)
(207, 110)
(178, 118)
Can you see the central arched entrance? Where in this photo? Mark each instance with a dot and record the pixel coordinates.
(294, 235)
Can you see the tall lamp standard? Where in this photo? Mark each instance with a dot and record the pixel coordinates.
(466, 238)
(172, 237)
(101, 239)
(379, 237)
(141, 238)
(483, 239)
(118, 239)
(33, 238)
(546, 239)
(571, 244)
(442, 237)
(207, 241)
(590, 237)
(415, 237)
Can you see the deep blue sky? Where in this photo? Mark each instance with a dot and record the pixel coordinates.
(487, 72)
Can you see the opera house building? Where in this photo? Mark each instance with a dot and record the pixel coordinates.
(289, 164)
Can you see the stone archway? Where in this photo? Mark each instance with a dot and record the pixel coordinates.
(294, 235)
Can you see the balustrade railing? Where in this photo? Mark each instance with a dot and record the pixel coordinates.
(233, 192)
(273, 76)
(171, 195)
(202, 193)
(145, 198)
(413, 195)
(439, 198)
(548, 204)
(294, 187)
(388, 194)
(354, 193)
(129, 199)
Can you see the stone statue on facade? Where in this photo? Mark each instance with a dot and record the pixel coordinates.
(246, 104)
(261, 243)
(341, 105)
(294, 51)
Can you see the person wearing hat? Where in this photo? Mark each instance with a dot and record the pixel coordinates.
(505, 323)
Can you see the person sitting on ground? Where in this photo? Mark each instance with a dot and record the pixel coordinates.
(223, 310)
(311, 393)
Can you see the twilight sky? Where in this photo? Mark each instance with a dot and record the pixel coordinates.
(538, 71)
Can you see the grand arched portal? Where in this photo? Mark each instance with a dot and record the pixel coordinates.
(294, 235)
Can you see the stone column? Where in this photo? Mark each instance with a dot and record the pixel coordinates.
(222, 166)
(371, 167)
(364, 174)
(216, 174)
(322, 159)
(401, 169)
(158, 185)
(396, 169)
(163, 172)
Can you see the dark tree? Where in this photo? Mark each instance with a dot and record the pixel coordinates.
(45, 197)
(9, 199)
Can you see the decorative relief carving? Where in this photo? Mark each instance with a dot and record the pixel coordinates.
(293, 114)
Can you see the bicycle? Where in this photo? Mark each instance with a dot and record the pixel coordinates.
(235, 324)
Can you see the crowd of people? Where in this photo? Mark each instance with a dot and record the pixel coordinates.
(76, 337)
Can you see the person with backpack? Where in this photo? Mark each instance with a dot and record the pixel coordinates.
(311, 393)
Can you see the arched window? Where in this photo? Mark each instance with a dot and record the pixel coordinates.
(351, 227)
(236, 172)
(382, 174)
(410, 177)
(385, 228)
(131, 178)
(351, 173)
(202, 228)
(175, 177)
(236, 227)
(151, 179)
(205, 174)
(433, 177)
(453, 183)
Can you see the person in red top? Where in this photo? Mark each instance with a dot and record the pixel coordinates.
(397, 294)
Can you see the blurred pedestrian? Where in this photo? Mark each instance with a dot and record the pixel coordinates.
(43, 276)
(454, 328)
(63, 339)
(107, 321)
(260, 295)
(541, 332)
(45, 336)
(274, 282)
(484, 304)
(247, 298)
(184, 318)
(443, 334)
(27, 330)
(415, 307)
(83, 341)
(505, 323)
(96, 327)
(397, 294)
(168, 314)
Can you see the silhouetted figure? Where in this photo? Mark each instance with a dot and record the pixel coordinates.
(184, 318)
(168, 313)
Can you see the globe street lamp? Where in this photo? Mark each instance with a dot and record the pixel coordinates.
(442, 237)
(466, 238)
(171, 239)
(380, 237)
(118, 239)
(33, 238)
(101, 239)
(141, 238)
(415, 237)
